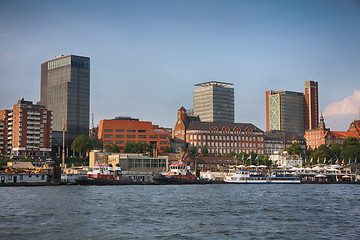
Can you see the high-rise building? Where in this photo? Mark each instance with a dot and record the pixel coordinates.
(29, 130)
(312, 105)
(285, 110)
(65, 89)
(4, 116)
(214, 101)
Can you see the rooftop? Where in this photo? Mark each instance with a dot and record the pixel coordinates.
(213, 83)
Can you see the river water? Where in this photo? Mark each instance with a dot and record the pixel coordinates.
(181, 212)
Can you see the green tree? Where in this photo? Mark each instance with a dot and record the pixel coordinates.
(96, 144)
(167, 149)
(81, 144)
(323, 152)
(193, 150)
(204, 150)
(335, 151)
(134, 147)
(112, 148)
(351, 149)
(295, 149)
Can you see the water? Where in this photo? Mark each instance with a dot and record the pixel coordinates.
(181, 212)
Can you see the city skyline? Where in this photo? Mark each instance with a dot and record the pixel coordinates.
(147, 56)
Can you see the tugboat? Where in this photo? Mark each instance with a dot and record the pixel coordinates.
(104, 175)
(179, 174)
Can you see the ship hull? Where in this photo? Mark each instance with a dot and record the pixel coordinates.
(99, 181)
(164, 179)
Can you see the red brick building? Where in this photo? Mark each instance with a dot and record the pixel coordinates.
(29, 130)
(316, 137)
(219, 137)
(119, 131)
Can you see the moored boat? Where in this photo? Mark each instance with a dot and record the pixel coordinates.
(179, 174)
(105, 175)
(262, 177)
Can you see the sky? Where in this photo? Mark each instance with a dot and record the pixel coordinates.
(146, 56)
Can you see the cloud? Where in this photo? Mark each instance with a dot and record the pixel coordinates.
(348, 106)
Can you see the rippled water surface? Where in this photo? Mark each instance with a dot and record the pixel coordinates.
(181, 212)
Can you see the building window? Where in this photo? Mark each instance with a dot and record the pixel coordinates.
(119, 136)
(108, 136)
(153, 136)
(142, 131)
(108, 130)
(130, 130)
(119, 142)
(142, 136)
(119, 130)
(130, 136)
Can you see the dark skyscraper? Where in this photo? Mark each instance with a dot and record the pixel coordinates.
(65, 89)
(312, 105)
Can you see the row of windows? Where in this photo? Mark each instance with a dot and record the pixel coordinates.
(122, 130)
(134, 136)
(236, 138)
(106, 142)
(220, 144)
(237, 151)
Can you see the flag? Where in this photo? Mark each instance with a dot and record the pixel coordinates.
(256, 158)
(349, 161)
(242, 159)
(235, 158)
(355, 160)
(330, 161)
(249, 158)
(343, 161)
(311, 160)
(337, 161)
(324, 160)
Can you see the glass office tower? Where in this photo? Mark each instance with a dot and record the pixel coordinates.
(65, 89)
(285, 110)
(214, 102)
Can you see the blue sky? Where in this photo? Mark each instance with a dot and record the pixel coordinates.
(146, 56)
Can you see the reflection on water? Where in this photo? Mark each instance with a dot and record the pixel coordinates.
(181, 212)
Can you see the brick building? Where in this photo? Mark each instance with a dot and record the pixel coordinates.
(119, 131)
(4, 116)
(322, 135)
(219, 137)
(29, 130)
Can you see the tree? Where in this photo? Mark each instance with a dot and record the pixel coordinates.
(134, 147)
(335, 151)
(295, 149)
(193, 150)
(351, 149)
(81, 144)
(204, 150)
(112, 148)
(167, 149)
(96, 144)
(323, 152)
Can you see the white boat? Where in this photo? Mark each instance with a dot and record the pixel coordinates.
(262, 177)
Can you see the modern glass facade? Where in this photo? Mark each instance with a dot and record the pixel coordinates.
(286, 111)
(214, 102)
(65, 89)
